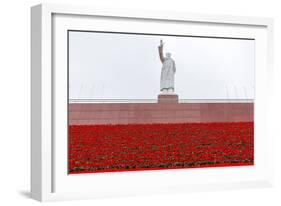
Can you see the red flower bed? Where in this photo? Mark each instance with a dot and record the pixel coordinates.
(104, 148)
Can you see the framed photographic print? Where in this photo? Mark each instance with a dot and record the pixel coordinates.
(135, 102)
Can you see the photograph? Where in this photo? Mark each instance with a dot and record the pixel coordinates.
(149, 101)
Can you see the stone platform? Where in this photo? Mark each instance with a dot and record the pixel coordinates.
(166, 111)
(168, 98)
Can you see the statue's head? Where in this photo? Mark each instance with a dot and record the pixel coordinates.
(168, 55)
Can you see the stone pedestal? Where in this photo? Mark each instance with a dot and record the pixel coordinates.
(158, 113)
(168, 98)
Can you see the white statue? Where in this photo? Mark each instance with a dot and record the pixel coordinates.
(168, 71)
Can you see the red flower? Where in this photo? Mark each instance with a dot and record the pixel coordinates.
(104, 148)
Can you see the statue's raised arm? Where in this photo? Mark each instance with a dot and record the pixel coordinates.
(160, 49)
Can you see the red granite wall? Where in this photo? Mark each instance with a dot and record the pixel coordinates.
(142, 113)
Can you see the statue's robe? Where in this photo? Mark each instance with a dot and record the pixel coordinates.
(168, 71)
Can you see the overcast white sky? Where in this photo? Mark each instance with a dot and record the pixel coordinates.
(127, 66)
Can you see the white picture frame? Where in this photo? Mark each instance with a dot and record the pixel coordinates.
(50, 182)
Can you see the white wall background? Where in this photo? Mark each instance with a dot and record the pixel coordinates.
(15, 103)
(127, 66)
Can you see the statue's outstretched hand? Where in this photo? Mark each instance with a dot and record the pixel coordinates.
(161, 43)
